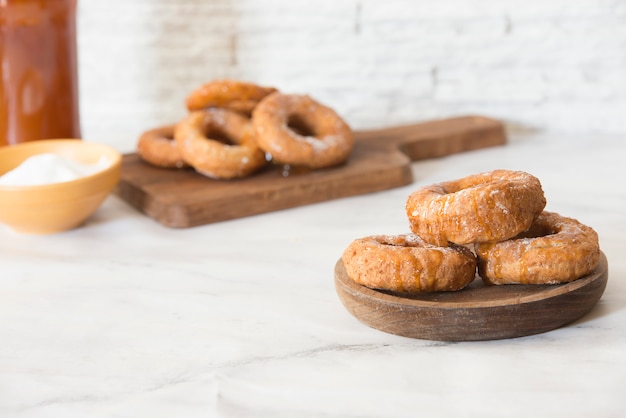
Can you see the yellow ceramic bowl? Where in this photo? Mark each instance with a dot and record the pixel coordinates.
(56, 207)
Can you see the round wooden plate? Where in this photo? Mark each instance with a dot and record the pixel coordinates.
(476, 313)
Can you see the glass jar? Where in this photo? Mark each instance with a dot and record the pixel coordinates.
(38, 74)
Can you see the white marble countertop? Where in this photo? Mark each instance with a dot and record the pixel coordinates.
(123, 317)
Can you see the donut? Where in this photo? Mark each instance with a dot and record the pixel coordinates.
(235, 95)
(297, 130)
(157, 147)
(486, 207)
(554, 250)
(219, 143)
(407, 264)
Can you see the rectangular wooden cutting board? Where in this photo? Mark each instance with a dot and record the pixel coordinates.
(381, 159)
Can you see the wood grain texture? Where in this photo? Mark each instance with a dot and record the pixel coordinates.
(479, 312)
(381, 160)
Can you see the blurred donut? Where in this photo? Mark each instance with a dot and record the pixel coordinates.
(157, 147)
(485, 207)
(219, 143)
(406, 264)
(235, 95)
(297, 130)
(555, 249)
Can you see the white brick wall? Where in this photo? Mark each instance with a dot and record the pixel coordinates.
(551, 65)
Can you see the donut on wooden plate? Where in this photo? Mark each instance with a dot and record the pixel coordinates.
(406, 264)
(235, 95)
(555, 249)
(296, 130)
(219, 143)
(486, 207)
(157, 147)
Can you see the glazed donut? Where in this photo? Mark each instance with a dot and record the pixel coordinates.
(219, 143)
(554, 250)
(406, 264)
(486, 207)
(157, 147)
(230, 94)
(297, 130)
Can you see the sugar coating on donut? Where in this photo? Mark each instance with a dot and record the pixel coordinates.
(407, 264)
(485, 207)
(219, 143)
(555, 249)
(299, 131)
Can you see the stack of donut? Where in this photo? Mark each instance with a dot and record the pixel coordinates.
(234, 128)
(493, 223)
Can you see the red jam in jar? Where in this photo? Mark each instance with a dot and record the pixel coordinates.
(38, 70)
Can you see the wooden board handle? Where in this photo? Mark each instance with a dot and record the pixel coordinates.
(438, 138)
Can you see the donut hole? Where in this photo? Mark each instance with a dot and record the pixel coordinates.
(218, 134)
(300, 126)
(538, 230)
